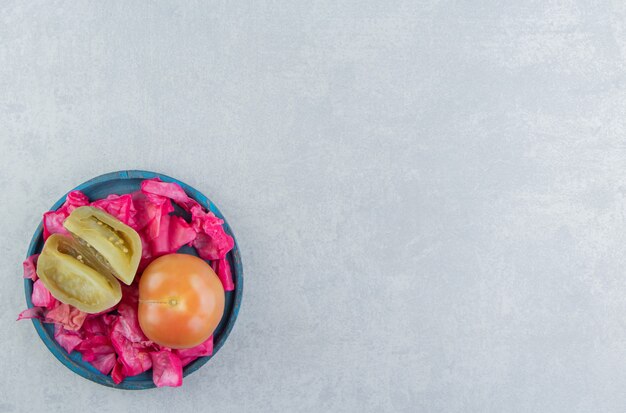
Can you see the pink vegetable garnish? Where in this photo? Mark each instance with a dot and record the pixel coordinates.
(117, 374)
(169, 190)
(41, 296)
(112, 341)
(167, 369)
(212, 242)
(187, 355)
(53, 220)
(74, 200)
(175, 232)
(33, 312)
(30, 265)
(127, 324)
(53, 223)
(131, 345)
(71, 318)
(96, 325)
(135, 358)
(104, 362)
(222, 269)
(68, 339)
(120, 206)
(149, 212)
(97, 350)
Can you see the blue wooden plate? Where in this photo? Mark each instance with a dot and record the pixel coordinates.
(123, 182)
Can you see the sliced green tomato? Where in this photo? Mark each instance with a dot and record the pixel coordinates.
(71, 278)
(115, 246)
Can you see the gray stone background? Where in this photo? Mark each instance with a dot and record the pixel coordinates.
(429, 195)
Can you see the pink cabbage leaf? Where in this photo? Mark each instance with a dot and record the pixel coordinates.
(174, 233)
(150, 209)
(212, 242)
(167, 369)
(41, 297)
(224, 273)
(99, 352)
(169, 190)
(70, 317)
(67, 339)
(187, 355)
(33, 312)
(53, 220)
(120, 206)
(30, 267)
(129, 342)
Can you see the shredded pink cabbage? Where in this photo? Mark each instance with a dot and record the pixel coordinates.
(53, 223)
(33, 312)
(53, 220)
(175, 232)
(41, 297)
(112, 341)
(127, 324)
(104, 362)
(74, 200)
(150, 209)
(167, 369)
(30, 265)
(187, 355)
(169, 190)
(67, 339)
(131, 345)
(96, 325)
(222, 269)
(117, 374)
(70, 317)
(120, 206)
(212, 242)
(97, 350)
(146, 253)
(95, 345)
(135, 358)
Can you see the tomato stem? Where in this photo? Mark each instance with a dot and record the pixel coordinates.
(172, 302)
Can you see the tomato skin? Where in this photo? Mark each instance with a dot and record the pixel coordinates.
(181, 301)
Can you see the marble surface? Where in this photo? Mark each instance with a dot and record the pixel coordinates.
(429, 195)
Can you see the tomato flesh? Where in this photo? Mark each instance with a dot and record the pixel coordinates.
(181, 301)
(72, 275)
(116, 245)
(83, 269)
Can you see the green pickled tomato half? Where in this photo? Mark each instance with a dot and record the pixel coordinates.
(114, 247)
(72, 277)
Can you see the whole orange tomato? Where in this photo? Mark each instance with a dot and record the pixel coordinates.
(181, 301)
